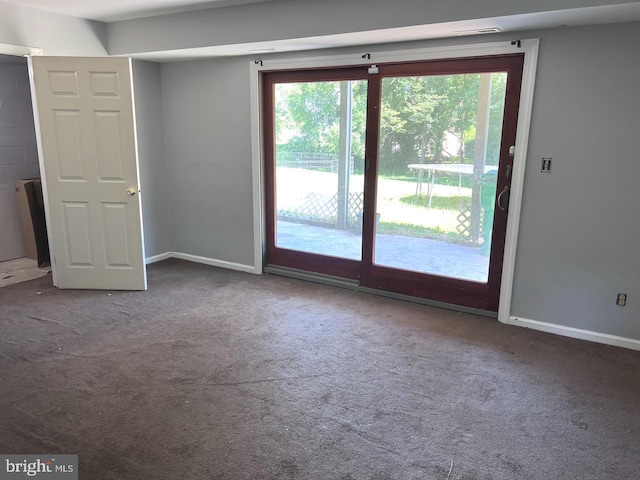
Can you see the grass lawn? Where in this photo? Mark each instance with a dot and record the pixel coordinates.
(441, 203)
(401, 212)
(442, 179)
(419, 231)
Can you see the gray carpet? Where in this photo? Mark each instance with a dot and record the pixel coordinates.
(214, 374)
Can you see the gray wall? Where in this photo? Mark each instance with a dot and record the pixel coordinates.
(55, 34)
(207, 138)
(154, 185)
(18, 151)
(578, 222)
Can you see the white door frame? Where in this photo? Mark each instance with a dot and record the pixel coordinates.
(530, 49)
(19, 50)
(28, 52)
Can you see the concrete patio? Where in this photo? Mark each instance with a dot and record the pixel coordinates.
(409, 253)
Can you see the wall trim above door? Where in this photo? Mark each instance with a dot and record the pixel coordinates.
(530, 49)
(19, 50)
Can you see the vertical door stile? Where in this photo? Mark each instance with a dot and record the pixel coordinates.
(370, 172)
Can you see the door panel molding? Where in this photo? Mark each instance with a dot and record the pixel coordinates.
(94, 221)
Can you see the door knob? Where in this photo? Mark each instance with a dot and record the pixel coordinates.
(132, 191)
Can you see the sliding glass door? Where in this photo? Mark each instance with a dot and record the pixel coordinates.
(397, 179)
(441, 136)
(315, 171)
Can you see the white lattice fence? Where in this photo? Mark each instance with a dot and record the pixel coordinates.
(354, 212)
(323, 209)
(464, 223)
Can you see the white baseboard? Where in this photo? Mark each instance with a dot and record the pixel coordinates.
(204, 260)
(576, 333)
(157, 258)
(215, 263)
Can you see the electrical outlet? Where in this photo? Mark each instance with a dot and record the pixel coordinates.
(546, 165)
(621, 301)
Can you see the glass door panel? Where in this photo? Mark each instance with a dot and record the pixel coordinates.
(319, 156)
(389, 178)
(438, 155)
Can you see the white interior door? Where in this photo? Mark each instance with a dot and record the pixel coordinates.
(89, 155)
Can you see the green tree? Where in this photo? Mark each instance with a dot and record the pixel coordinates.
(308, 117)
(416, 115)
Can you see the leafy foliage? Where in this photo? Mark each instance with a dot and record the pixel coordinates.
(418, 114)
(308, 117)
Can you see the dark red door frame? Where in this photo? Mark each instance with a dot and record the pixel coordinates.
(338, 267)
(483, 296)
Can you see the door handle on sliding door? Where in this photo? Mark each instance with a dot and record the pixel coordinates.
(503, 199)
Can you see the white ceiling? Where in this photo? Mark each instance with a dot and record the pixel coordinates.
(115, 10)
